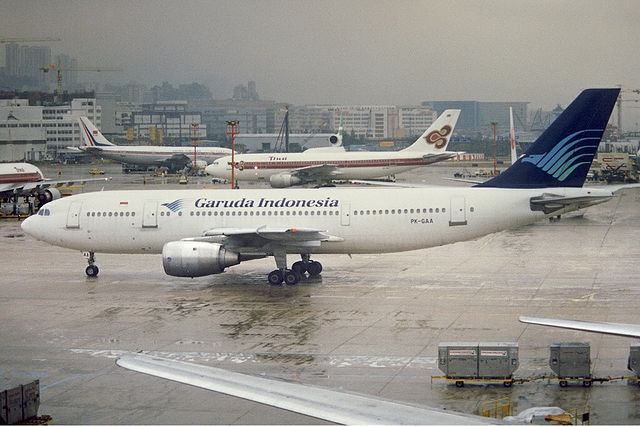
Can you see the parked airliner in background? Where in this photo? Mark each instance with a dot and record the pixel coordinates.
(202, 232)
(322, 165)
(25, 180)
(173, 157)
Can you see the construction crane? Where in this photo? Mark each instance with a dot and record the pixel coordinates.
(54, 67)
(27, 40)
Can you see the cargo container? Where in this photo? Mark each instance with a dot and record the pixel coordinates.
(19, 403)
(478, 360)
(634, 359)
(570, 360)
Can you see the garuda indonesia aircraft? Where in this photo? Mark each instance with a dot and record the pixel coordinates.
(173, 157)
(321, 166)
(204, 231)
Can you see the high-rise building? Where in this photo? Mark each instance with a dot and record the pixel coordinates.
(478, 116)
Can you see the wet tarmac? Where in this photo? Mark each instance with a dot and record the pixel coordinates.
(370, 324)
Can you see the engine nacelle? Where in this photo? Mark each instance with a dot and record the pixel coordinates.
(47, 195)
(284, 180)
(196, 259)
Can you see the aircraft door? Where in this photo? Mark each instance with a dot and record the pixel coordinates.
(150, 214)
(345, 214)
(73, 217)
(458, 212)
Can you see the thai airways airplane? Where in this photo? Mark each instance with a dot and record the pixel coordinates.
(322, 165)
(24, 179)
(173, 157)
(203, 232)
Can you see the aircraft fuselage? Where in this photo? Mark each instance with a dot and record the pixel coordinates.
(368, 220)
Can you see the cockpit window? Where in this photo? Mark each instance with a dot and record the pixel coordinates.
(44, 212)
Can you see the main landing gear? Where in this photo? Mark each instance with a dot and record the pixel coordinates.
(92, 270)
(294, 275)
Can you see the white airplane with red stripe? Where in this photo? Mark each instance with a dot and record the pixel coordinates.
(174, 157)
(321, 166)
(24, 179)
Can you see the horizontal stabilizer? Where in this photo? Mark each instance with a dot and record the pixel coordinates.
(549, 203)
(441, 156)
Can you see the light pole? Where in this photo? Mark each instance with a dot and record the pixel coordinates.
(495, 165)
(232, 130)
(194, 141)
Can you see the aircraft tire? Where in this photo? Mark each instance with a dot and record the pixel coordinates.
(92, 271)
(275, 277)
(314, 268)
(291, 277)
(299, 267)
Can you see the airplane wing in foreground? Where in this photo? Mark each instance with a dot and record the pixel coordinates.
(616, 329)
(333, 406)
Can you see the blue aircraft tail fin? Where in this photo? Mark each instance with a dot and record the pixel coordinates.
(563, 153)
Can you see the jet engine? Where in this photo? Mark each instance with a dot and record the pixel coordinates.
(47, 195)
(284, 180)
(333, 139)
(196, 259)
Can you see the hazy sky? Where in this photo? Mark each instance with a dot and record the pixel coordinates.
(350, 52)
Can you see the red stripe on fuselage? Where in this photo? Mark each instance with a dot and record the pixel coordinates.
(277, 165)
(20, 177)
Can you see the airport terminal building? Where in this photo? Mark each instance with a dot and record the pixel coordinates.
(38, 132)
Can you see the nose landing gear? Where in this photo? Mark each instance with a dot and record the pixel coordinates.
(91, 270)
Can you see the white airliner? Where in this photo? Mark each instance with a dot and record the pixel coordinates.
(326, 404)
(322, 165)
(202, 232)
(24, 179)
(173, 157)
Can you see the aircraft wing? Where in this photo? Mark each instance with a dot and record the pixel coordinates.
(178, 160)
(315, 172)
(616, 329)
(549, 203)
(28, 188)
(436, 157)
(326, 404)
(95, 150)
(262, 236)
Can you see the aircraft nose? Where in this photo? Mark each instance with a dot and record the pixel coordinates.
(28, 225)
(214, 169)
(209, 169)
